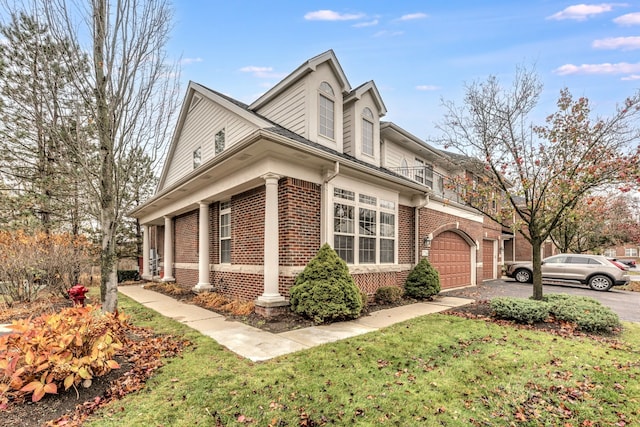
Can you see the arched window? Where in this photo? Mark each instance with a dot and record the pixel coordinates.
(326, 109)
(405, 167)
(367, 132)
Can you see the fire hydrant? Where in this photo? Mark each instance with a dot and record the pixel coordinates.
(78, 294)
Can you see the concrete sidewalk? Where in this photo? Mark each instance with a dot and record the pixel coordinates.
(256, 344)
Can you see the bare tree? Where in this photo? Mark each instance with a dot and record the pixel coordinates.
(538, 174)
(131, 102)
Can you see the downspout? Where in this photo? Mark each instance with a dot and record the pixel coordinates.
(421, 204)
(324, 205)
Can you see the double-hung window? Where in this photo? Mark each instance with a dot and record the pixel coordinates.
(326, 108)
(197, 157)
(367, 132)
(364, 228)
(419, 171)
(225, 232)
(219, 141)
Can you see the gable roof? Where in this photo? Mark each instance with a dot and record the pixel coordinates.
(306, 68)
(369, 86)
(195, 90)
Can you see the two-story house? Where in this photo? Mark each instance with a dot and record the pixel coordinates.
(249, 193)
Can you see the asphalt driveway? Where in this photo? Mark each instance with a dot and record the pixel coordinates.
(626, 304)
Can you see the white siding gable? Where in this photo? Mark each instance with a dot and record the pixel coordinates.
(324, 73)
(289, 109)
(200, 126)
(353, 129)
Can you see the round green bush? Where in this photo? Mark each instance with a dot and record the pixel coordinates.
(520, 310)
(325, 291)
(423, 281)
(388, 294)
(586, 313)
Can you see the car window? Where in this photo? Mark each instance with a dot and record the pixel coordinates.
(594, 261)
(555, 260)
(579, 260)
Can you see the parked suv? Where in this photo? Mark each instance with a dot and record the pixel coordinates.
(593, 270)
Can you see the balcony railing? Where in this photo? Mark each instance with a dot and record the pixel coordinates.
(425, 175)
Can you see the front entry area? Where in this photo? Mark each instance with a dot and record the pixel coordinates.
(450, 254)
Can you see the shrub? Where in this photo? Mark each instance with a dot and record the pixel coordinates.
(423, 281)
(218, 302)
(60, 349)
(388, 294)
(520, 310)
(128, 275)
(31, 263)
(325, 291)
(586, 313)
(364, 297)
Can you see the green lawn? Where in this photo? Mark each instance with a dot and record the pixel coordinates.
(435, 371)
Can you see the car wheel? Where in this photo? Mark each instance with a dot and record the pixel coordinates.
(523, 276)
(600, 282)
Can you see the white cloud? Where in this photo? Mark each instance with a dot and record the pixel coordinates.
(632, 77)
(412, 16)
(261, 72)
(366, 24)
(427, 87)
(330, 15)
(581, 12)
(386, 33)
(628, 19)
(606, 68)
(624, 43)
(188, 61)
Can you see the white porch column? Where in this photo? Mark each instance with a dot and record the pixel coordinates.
(168, 250)
(146, 270)
(271, 244)
(203, 250)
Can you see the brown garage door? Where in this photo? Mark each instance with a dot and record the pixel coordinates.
(450, 254)
(488, 270)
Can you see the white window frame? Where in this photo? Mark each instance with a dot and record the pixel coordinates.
(611, 253)
(197, 157)
(353, 223)
(221, 134)
(631, 252)
(326, 108)
(367, 132)
(418, 173)
(225, 232)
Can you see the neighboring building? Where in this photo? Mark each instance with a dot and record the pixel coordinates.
(249, 193)
(627, 250)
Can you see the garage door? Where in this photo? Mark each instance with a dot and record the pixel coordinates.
(488, 270)
(450, 254)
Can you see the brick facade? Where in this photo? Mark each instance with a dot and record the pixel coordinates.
(247, 227)
(299, 221)
(406, 235)
(186, 237)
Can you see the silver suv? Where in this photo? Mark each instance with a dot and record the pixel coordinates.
(593, 270)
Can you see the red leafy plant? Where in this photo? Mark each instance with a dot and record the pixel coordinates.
(56, 350)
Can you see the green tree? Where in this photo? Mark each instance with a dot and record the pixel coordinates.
(423, 281)
(36, 93)
(538, 174)
(325, 290)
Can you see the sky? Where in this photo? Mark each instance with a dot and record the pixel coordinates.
(417, 52)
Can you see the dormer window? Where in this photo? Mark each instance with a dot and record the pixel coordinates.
(326, 109)
(367, 132)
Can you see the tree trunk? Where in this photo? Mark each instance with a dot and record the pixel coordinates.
(108, 265)
(536, 247)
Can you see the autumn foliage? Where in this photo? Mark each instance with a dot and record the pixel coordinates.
(60, 350)
(31, 262)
